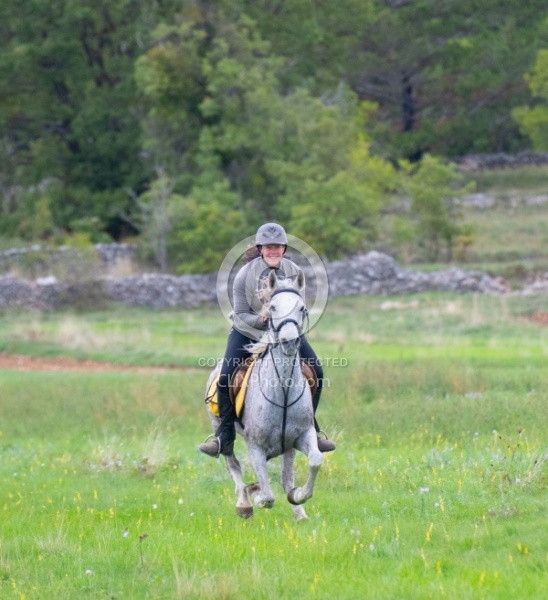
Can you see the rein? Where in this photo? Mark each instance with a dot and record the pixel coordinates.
(285, 388)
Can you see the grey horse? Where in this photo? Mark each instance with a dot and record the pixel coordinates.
(278, 417)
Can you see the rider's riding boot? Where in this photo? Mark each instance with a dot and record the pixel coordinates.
(226, 434)
(325, 444)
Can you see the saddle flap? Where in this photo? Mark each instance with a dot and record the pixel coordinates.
(211, 397)
(237, 389)
(239, 383)
(240, 391)
(310, 376)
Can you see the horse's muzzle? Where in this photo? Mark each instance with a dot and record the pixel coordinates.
(290, 347)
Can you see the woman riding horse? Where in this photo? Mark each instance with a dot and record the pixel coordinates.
(249, 324)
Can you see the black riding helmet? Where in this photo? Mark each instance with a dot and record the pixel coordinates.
(271, 233)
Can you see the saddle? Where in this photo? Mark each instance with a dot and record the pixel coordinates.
(239, 382)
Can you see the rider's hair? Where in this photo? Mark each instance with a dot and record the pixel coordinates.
(250, 254)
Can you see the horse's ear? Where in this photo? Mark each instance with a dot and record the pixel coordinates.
(300, 280)
(272, 279)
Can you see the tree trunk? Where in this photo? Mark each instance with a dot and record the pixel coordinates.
(409, 113)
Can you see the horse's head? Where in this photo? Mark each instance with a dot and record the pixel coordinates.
(286, 313)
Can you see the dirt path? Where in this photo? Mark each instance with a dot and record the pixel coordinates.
(541, 318)
(18, 362)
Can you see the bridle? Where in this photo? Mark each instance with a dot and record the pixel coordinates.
(276, 329)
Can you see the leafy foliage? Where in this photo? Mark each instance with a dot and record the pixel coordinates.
(445, 75)
(433, 193)
(252, 110)
(67, 116)
(259, 153)
(534, 120)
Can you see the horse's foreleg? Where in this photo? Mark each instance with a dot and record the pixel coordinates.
(244, 508)
(288, 474)
(288, 482)
(308, 444)
(265, 497)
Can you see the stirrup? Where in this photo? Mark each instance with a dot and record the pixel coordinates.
(226, 450)
(211, 437)
(324, 443)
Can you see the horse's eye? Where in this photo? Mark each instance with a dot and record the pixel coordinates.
(272, 308)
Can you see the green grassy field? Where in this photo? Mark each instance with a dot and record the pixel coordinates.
(437, 488)
(510, 238)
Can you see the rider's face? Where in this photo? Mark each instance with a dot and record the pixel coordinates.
(272, 254)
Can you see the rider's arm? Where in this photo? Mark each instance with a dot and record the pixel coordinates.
(242, 298)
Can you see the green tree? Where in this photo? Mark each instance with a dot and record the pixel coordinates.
(207, 223)
(533, 120)
(255, 148)
(444, 74)
(155, 205)
(201, 127)
(433, 188)
(67, 104)
(250, 110)
(333, 188)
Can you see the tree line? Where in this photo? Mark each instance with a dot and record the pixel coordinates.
(189, 123)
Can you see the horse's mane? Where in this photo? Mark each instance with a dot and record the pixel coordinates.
(265, 294)
(258, 348)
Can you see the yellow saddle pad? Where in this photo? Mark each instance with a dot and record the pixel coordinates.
(239, 401)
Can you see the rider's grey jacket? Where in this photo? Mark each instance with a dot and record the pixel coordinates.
(249, 281)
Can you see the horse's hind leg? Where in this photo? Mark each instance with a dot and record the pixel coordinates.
(309, 445)
(244, 508)
(288, 482)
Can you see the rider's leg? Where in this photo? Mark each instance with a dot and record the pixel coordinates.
(308, 354)
(226, 434)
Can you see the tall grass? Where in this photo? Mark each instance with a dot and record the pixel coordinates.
(517, 180)
(510, 237)
(437, 488)
(505, 234)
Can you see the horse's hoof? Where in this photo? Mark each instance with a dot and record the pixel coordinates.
(245, 512)
(291, 497)
(267, 504)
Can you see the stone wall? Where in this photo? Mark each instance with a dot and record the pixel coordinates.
(376, 273)
(481, 162)
(373, 273)
(39, 259)
(162, 291)
(370, 274)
